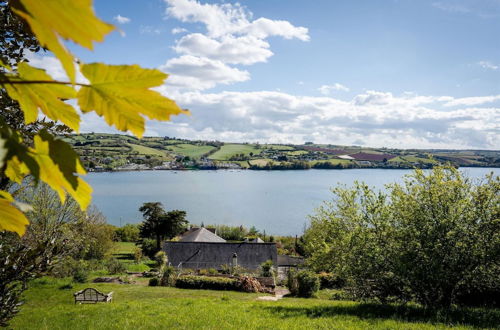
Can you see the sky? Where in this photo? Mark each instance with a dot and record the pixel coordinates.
(385, 73)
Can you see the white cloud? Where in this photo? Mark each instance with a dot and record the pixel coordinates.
(327, 89)
(451, 7)
(148, 29)
(121, 19)
(232, 35)
(201, 73)
(376, 118)
(53, 67)
(470, 101)
(229, 49)
(488, 65)
(178, 30)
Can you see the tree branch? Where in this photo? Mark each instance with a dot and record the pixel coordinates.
(14, 82)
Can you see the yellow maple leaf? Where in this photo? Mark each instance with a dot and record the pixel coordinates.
(11, 218)
(48, 97)
(121, 94)
(59, 168)
(72, 20)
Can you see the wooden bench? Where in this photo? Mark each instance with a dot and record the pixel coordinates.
(91, 296)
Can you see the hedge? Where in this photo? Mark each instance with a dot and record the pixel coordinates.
(205, 282)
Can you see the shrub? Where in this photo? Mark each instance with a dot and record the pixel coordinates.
(114, 266)
(303, 283)
(330, 281)
(128, 233)
(148, 247)
(212, 271)
(225, 269)
(203, 282)
(427, 239)
(138, 255)
(250, 284)
(267, 269)
(80, 275)
(154, 281)
(168, 276)
(187, 271)
(160, 258)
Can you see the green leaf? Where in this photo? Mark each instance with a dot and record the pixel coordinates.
(48, 97)
(121, 94)
(11, 218)
(73, 20)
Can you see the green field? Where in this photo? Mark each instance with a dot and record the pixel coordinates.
(278, 147)
(260, 162)
(191, 150)
(49, 305)
(333, 161)
(297, 152)
(146, 150)
(228, 150)
(411, 159)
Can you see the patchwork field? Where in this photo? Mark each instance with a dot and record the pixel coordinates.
(111, 151)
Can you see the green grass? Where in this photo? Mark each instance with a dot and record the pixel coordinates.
(228, 150)
(260, 162)
(191, 150)
(333, 161)
(124, 248)
(124, 252)
(410, 158)
(297, 152)
(146, 150)
(278, 147)
(48, 306)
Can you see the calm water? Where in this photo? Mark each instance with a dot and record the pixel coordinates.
(275, 201)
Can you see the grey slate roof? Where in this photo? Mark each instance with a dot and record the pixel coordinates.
(197, 255)
(202, 235)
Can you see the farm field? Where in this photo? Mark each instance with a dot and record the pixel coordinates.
(146, 150)
(190, 150)
(228, 150)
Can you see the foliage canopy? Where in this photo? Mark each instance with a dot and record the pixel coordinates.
(432, 239)
(121, 94)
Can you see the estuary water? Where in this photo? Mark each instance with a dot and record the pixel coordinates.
(278, 202)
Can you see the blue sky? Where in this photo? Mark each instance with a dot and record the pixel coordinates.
(395, 73)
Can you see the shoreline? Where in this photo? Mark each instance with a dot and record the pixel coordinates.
(270, 169)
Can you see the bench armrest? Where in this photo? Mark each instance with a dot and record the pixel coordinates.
(79, 292)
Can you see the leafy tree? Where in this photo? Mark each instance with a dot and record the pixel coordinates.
(128, 233)
(57, 234)
(159, 224)
(429, 239)
(121, 94)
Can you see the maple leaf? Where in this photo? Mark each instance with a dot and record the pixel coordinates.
(12, 219)
(48, 97)
(121, 94)
(51, 20)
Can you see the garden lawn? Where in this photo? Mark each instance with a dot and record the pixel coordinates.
(48, 306)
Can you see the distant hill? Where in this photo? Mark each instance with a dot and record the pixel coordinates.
(106, 152)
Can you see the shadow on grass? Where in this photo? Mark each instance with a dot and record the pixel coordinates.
(474, 317)
(123, 256)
